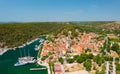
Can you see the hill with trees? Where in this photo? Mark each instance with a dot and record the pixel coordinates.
(14, 34)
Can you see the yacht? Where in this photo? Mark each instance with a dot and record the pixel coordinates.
(24, 60)
(20, 62)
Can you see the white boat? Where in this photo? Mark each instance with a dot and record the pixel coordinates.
(24, 60)
(41, 40)
(29, 59)
(20, 64)
(32, 61)
(37, 47)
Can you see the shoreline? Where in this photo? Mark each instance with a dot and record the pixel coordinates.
(3, 50)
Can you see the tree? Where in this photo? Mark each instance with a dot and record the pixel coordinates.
(70, 60)
(82, 58)
(99, 60)
(116, 48)
(76, 57)
(61, 60)
(90, 56)
(118, 66)
(88, 65)
(108, 58)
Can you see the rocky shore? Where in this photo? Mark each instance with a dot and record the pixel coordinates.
(3, 50)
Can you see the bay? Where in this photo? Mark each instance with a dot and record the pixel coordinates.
(8, 59)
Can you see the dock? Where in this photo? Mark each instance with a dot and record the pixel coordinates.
(38, 68)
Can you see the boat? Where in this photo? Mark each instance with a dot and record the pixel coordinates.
(33, 61)
(37, 47)
(30, 59)
(20, 64)
(41, 40)
(25, 60)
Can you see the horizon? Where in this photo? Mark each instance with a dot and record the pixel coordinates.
(59, 10)
(55, 21)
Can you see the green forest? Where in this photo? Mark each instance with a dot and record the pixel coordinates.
(14, 34)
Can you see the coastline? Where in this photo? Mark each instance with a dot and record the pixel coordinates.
(3, 50)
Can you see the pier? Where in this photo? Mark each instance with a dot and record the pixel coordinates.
(38, 68)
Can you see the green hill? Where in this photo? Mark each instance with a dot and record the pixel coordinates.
(14, 34)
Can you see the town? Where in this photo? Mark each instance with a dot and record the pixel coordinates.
(87, 53)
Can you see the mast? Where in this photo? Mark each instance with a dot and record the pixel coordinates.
(24, 51)
(20, 53)
(28, 52)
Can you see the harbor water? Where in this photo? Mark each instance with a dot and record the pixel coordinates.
(8, 59)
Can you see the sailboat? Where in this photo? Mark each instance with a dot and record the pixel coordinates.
(24, 60)
(21, 60)
(30, 59)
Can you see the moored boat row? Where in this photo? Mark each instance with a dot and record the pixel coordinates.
(25, 60)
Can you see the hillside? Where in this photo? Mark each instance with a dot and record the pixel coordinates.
(14, 34)
(103, 26)
(113, 27)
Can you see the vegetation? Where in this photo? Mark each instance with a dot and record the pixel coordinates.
(116, 48)
(51, 66)
(88, 65)
(99, 60)
(102, 71)
(15, 34)
(61, 60)
(40, 50)
(83, 57)
(70, 60)
(101, 27)
(117, 68)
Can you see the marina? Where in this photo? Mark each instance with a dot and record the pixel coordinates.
(10, 58)
(25, 60)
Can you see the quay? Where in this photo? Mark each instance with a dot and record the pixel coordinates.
(38, 68)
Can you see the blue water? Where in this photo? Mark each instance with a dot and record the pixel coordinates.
(8, 59)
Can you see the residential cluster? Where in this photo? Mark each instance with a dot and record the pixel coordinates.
(63, 46)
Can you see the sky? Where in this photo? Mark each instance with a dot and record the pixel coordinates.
(59, 10)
